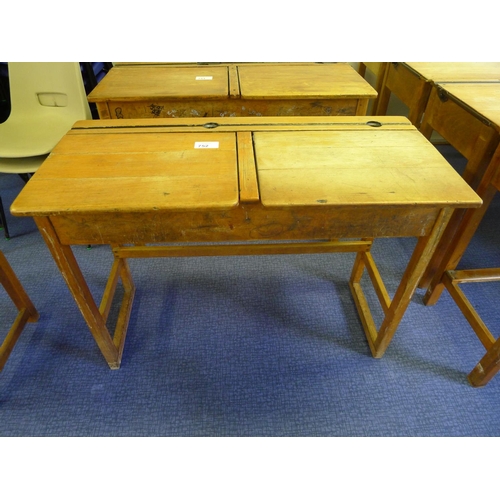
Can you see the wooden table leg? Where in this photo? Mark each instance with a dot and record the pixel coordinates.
(459, 234)
(111, 347)
(487, 368)
(395, 309)
(27, 311)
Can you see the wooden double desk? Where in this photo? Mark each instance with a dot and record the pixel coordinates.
(231, 89)
(247, 186)
(412, 82)
(467, 115)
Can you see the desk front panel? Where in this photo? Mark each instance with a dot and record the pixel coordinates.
(215, 108)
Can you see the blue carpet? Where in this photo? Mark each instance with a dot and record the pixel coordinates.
(244, 346)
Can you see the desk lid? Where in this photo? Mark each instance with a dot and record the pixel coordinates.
(136, 82)
(113, 166)
(457, 71)
(134, 172)
(275, 81)
(482, 98)
(355, 168)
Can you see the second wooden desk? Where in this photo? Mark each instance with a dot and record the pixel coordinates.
(232, 90)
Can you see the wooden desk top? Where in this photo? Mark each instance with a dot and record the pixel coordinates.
(128, 166)
(313, 81)
(481, 98)
(457, 71)
(136, 82)
(267, 81)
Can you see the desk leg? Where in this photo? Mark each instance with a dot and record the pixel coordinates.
(111, 347)
(26, 309)
(395, 309)
(487, 368)
(362, 107)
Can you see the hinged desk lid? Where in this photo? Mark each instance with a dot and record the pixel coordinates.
(354, 168)
(481, 98)
(136, 82)
(302, 81)
(457, 71)
(123, 172)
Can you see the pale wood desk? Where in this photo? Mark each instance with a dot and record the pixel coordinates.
(412, 82)
(217, 90)
(467, 115)
(251, 186)
(450, 278)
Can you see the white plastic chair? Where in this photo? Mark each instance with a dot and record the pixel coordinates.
(46, 100)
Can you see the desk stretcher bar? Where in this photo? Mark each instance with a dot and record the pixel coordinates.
(246, 186)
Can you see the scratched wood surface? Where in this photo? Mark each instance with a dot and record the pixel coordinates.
(339, 162)
(186, 108)
(233, 89)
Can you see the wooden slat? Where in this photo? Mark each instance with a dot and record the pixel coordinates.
(378, 284)
(243, 123)
(246, 249)
(471, 315)
(475, 275)
(365, 316)
(247, 171)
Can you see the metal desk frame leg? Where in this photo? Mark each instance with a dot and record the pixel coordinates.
(110, 346)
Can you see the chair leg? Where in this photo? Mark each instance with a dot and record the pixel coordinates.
(3, 220)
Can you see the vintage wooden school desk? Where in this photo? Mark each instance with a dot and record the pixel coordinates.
(467, 115)
(412, 82)
(244, 186)
(215, 90)
(450, 278)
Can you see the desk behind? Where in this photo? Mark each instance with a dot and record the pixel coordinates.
(218, 90)
(412, 82)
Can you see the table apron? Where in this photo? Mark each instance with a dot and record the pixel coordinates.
(189, 108)
(249, 222)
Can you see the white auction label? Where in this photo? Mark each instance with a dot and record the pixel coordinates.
(204, 78)
(206, 145)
